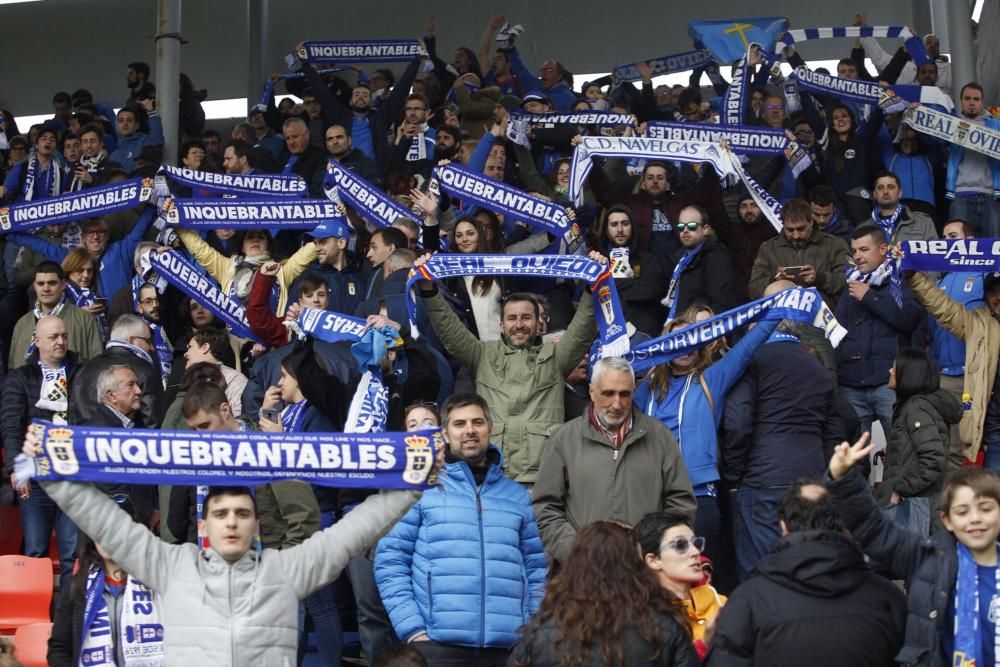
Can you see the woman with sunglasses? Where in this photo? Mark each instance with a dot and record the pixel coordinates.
(605, 607)
(673, 554)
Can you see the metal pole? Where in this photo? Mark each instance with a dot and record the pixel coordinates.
(257, 12)
(168, 72)
(963, 65)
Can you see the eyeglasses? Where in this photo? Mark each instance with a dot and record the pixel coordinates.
(775, 106)
(94, 232)
(150, 301)
(689, 226)
(682, 545)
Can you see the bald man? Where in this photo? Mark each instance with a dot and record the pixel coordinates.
(40, 390)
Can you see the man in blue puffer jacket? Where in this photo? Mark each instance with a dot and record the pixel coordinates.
(464, 569)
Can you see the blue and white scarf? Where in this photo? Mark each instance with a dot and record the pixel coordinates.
(164, 351)
(889, 99)
(134, 349)
(607, 307)
(361, 51)
(800, 305)
(947, 255)
(368, 200)
(914, 46)
(140, 633)
(693, 152)
(90, 203)
(293, 416)
(247, 214)
(497, 196)
(188, 279)
(888, 225)
(241, 185)
(887, 271)
(954, 130)
(553, 118)
(968, 630)
(768, 205)
(327, 326)
(83, 297)
(52, 177)
(678, 62)
(670, 300)
(54, 392)
(147, 456)
(744, 140)
(735, 102)
(422, 145)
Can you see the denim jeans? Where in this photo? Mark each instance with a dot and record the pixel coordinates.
(707, 520)
(991, 443)
(322, 608)
(981, 210)
(755, 525)
(871, 403)
(39, 515)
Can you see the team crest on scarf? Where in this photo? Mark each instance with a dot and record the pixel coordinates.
(420, 453)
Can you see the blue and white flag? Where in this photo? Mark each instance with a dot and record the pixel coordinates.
(728, 40)
(217, 458)
(327, 326)
(361, 51)
(607, 307)
(743, 140)
(678, 62)
(949, 255)
(646, 148)
(188, 279)
(958, 131)
(801, 305)
(89, 203)
(369, 201)
(248, 213)
(599, 118)
(914, 46)
(499, 197)
(240, 185)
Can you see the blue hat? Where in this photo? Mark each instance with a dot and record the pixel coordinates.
(332, 228)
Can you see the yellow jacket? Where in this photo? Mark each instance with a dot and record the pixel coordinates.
(223, 269)
(702, 604)
(980, 332)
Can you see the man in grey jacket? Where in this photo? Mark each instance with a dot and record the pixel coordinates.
(227, 605)
(612, 462)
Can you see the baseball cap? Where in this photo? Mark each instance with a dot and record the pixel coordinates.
(536, 97)
(333, 228)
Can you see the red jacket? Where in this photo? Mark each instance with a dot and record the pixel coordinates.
(262, 319)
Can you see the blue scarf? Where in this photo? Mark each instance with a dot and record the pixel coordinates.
(84, 296)
(501, 198)
(361, 51)
(744, 140)
(947, 255)
(134, 349)
(887, 271)
(585, 117)
(369, 410)
(293, 416)
(968, 628)
(914, 46)
(370, 202)
(800, 305)
(140, 633)
(90, 203)
(888, 225)
(670, 301)
(247, 214)
(51, 183)
(327, 326)
(188, 279)
(164, 353)
(186, 458)
(241, 185)
(678, 62)
(607, 307)
(735, 102)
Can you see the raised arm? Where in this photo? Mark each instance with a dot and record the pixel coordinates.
(211, 259)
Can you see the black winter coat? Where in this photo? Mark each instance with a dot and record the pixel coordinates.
(917, 455)
(708, 279)
(83, 397)
(812, 602)
(927, 565)
(676, 649)
(67, 630)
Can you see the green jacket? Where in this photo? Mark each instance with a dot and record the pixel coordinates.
(84, 336)
(828, 254)
(523, 387)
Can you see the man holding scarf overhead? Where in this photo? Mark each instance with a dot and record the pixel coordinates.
(520, 377)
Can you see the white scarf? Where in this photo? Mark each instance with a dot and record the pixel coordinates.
(54, 394)
(140, 633)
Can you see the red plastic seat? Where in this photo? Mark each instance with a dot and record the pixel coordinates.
(31, 644)
(25, 591)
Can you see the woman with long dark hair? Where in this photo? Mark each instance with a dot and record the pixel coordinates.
(604, 607)
(917, 455)
(103, 594)
(851, 153)
(81, 285)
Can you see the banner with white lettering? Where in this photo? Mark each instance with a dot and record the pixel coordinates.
(678, 62)
(598, 118)
(183, 275)
(646, 148)
(89, 203)
(497, 196)
(361, 51)
(743, 140)
(948, 255)
(887, 98)
(240, 185)
(247, 213)
(955, 130)
(735, 101)
(368, 200)
(327, 326)
(801, 305)
(146, 456)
